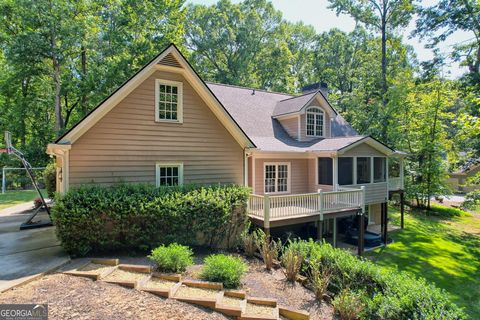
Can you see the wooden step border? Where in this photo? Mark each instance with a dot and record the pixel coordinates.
(167, 292)
(205, 302)
(230, 310)
(214, 304)
(94, 276)
(133, 284)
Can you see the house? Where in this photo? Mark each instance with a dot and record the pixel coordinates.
(304, 163)
(458, 179)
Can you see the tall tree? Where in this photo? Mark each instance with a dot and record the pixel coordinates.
(437, 23)
(381, 15)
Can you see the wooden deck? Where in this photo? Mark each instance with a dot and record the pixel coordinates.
(274, 211)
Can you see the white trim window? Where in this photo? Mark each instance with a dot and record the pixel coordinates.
(169, 174)
(315, 122)
(276, 177)
(168, 101)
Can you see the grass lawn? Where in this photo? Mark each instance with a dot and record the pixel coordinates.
(445, 251)
(11, 198)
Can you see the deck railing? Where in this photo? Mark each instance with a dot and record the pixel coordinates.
(279, 207)
(395, 183)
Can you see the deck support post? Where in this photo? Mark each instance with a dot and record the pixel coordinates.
(335, 232)
(319, 230)
(266, 214)
(402, 210)
(384, 226)
(361, 233)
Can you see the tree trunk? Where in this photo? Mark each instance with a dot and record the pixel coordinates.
(384, 86)
(83, 100)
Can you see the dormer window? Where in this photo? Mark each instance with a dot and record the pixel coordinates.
(168, 101)
(315, 122)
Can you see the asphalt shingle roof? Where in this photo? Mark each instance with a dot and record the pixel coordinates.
(253, 111)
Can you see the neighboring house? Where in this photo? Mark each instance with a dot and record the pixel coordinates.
(304, 162)
(458, 179)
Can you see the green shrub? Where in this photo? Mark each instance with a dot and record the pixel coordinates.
(50, 178)
(248, 241)
(348, 305)
(128, 217)
(472, 200)
(225, 269)
(443, 211)
(388, 294)
(319, 279)
(292, 260)
(172, 258)
(269, 249)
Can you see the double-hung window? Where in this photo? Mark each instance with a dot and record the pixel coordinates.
(168, 101)
(315, 122)
(169, 174)
(277, 177)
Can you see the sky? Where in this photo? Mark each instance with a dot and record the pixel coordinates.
(317, 14)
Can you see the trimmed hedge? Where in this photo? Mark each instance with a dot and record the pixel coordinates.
(130, 217)
(389, 294)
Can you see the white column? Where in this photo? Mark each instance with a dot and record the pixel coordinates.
(335, 172)
(401, 173)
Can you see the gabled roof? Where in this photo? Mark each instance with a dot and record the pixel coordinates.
(253, 109)
(169, 59)
(296, 103)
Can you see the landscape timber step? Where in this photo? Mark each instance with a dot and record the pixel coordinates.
(208, 287)
(214, 301)
(129, 268)
(167, 291)
(81, 271)
(261, 302)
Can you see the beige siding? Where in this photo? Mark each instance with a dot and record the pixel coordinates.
(127, 142)
(375, 192)
(303, 123)
(376, 212)
(363, 150)
(291, 126)
(298, 174)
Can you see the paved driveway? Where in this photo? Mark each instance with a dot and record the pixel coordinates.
(28, 252)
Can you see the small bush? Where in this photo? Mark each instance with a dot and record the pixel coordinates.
(172, 258)
(269, 249)
(319, 280)
(472, 200)
(50, 177)
(449, 212)
(248, 241)
(348, 305)
(292, 260)
(225, 269)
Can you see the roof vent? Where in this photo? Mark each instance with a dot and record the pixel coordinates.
(322, 86)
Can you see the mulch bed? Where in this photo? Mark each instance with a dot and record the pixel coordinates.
(80, 298)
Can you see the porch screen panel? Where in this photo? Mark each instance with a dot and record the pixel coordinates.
(270, 177)
(363, 170)
(325, 171)
(379, 169)
(345, 170)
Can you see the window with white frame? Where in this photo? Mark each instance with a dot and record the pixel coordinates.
(168, 101)
(277, 177)
(169, 174)
(379, 169)
(315, 122)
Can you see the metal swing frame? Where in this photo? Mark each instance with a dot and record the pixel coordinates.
(29, 223)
